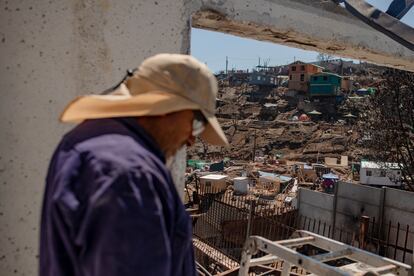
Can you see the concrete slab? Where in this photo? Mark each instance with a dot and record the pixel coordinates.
(310, 25)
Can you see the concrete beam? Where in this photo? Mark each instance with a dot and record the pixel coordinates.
(311, 25)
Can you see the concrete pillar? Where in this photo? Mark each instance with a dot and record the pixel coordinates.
(52, 51)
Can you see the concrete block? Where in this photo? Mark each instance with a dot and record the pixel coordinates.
(356, 208)
(314, 198)
(359, 193)
(398, 199)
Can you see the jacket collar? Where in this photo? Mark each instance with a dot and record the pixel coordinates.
(141, 135)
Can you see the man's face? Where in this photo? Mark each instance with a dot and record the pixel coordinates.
(175, 131)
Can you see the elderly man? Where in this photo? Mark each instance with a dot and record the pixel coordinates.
(110, 206)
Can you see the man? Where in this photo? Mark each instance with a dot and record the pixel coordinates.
(110, 206)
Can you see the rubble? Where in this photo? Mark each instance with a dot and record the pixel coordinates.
(266, 125)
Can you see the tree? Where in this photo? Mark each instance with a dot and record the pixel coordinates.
(389, 123)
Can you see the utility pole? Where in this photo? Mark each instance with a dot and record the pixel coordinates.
(227, 64)
(259, 61)
(254, 146)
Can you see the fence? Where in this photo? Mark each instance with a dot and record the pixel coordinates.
(220, 232)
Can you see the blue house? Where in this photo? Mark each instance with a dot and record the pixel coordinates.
(324, 84)
(262, 79)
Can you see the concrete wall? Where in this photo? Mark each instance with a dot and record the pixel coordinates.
(316, 205)
(54, 50)
(353, 201)
(50, 52)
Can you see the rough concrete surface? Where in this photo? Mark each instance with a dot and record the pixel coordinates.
(310, 25)
(54, 50)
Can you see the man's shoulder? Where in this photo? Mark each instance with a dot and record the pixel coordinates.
(117, 150)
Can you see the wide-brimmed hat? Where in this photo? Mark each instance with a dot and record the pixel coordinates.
(163, 84)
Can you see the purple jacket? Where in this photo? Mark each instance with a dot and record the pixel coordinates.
(110, 206)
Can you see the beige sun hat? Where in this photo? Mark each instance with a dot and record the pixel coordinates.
(163, 84)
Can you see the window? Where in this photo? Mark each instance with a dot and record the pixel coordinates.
(368, 173)
(302, 77)
(258, 77)
(208, 184)
(302, 68)
(293, 68)
(315, 78)
(325, 78)
(290, 77)
(383, 173)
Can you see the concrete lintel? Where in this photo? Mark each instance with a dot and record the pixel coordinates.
(311, 25)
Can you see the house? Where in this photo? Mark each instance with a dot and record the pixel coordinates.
(263, 79)
(325, 84)
(299, 75)
(380, 174)
(237, 77)
(337, 163)
(347, 83)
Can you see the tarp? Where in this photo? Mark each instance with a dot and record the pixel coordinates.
(371, 91)
(278, 177)
(307, 167)
(349, 115)
(303, 118)
(217, 167)
(330, 176)
(197, 164)
(314, 112)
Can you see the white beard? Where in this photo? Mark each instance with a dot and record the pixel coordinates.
(177, 164)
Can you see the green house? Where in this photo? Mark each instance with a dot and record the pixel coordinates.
(325, 84)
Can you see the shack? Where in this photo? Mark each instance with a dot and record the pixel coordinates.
(380, 174)
(325, 85)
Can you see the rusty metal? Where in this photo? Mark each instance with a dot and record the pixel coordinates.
(363, 230)
(396, 240)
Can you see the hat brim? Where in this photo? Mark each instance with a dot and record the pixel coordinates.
(213, 132)
(154, 103)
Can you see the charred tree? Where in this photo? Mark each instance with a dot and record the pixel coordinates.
(388, 123)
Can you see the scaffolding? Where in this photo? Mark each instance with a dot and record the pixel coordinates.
(323, 256)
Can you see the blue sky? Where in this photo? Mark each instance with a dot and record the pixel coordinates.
(213, 47)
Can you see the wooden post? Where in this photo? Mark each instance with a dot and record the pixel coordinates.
(363, 230)
(335, 202)
(254, 146)
(381, 232)
(250, 218)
